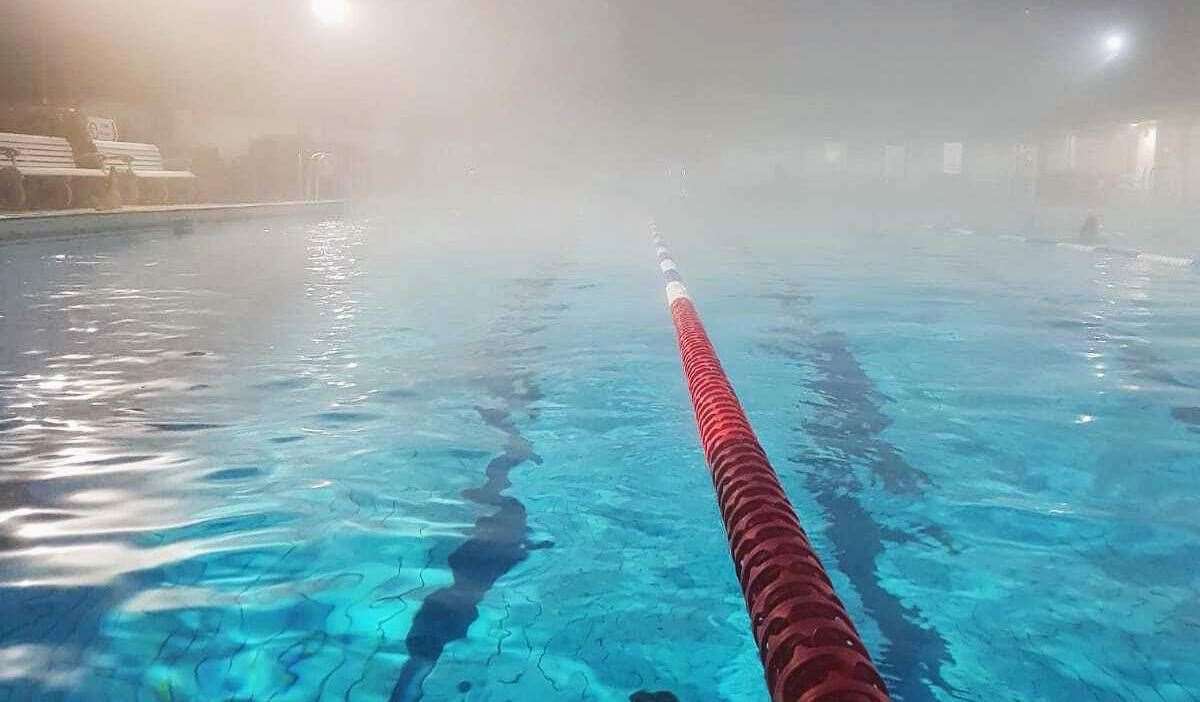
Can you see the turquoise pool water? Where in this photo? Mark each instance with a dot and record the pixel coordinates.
(431, 457)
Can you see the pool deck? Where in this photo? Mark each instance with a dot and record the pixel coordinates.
(87, 221)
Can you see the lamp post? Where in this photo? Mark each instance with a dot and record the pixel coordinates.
(328, 13)
(316, 159)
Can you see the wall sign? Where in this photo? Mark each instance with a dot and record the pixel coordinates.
(952, 158)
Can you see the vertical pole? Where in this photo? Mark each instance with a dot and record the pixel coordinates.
(1186, 165)
(300, 194)
(42, 56)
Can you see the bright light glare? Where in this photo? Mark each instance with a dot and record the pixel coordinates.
(1114, 43)
(331, 11)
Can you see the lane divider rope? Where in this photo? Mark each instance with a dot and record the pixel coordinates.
(809, 648)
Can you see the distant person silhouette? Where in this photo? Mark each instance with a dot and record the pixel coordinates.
(1089, 233)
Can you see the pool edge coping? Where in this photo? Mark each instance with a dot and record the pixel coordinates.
(18, 226)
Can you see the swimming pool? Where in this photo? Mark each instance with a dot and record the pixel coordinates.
(425, 456)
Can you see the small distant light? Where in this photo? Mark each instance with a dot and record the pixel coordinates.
(331, 11)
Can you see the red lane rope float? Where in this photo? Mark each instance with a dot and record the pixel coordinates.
(810, 650)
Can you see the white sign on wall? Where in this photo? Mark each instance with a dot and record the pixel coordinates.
(952, 158)
(102, 128)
